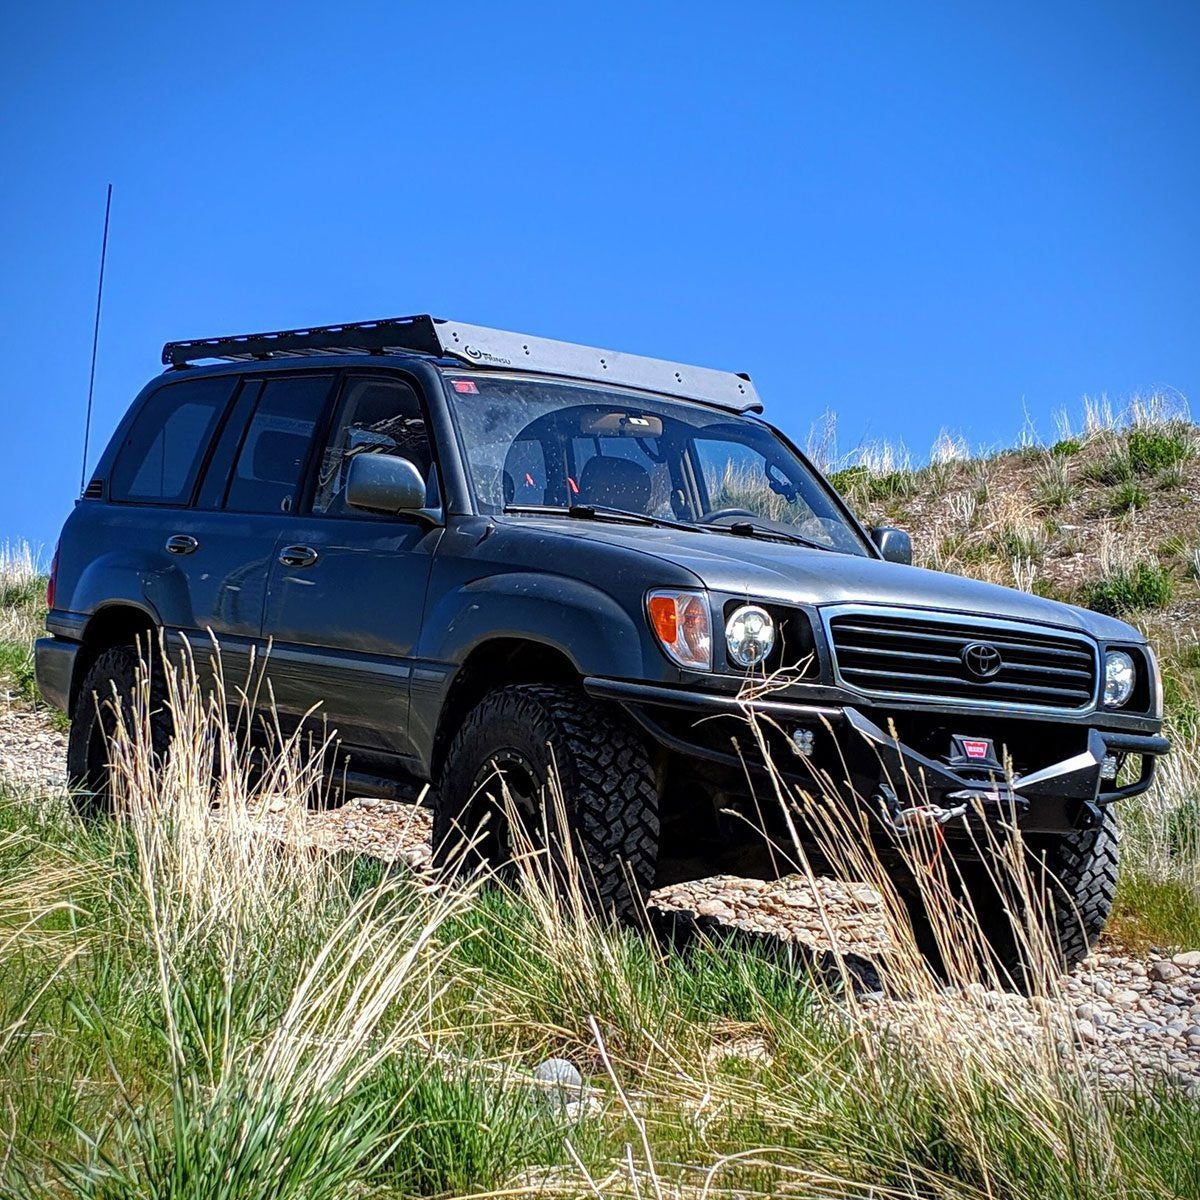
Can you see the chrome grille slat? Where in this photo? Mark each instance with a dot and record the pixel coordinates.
(907, 654)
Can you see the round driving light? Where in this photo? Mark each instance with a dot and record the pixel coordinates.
(749, 635)
(1119, 678)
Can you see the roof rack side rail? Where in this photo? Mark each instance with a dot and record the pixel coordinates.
(476, 345)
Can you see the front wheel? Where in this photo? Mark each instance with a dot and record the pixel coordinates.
(1051, 918)
(528, 734)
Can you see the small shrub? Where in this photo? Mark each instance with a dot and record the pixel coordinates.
(1054, 489)
(891, 486)
(1047, 589)
(1127, 498)
(1152, 450)
(1018, 541)
(1066, 447)
(1113, 469)
(1126, 590)
(849, 481)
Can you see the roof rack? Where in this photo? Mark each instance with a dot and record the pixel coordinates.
(481, 347)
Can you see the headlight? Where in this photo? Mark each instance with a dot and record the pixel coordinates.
(683, 627)
(1120, 675)
(749, 635)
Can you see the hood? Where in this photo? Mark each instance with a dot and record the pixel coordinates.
(769, 570)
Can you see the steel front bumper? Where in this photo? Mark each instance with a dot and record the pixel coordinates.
(1062, 795)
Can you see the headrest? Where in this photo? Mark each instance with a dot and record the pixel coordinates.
(615, 483)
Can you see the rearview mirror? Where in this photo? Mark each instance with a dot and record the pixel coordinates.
(894, 544)
(384, 483)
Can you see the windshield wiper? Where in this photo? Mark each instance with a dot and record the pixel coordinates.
(751, 529)
(602, 512)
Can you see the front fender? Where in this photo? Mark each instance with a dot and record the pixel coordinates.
(596, 633)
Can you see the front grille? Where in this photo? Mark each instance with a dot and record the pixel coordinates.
(896, 654)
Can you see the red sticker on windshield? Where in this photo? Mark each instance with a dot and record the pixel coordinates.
(466, 387)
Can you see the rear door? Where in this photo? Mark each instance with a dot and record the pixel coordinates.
(190, 561)
(248, 493)
(347, 588)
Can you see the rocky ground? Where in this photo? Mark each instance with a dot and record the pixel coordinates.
(1126, 1015)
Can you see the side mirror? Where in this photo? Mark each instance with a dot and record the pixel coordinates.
(384, 483)
(894, 544)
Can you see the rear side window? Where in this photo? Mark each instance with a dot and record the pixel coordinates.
(162, 452)
(270, 464)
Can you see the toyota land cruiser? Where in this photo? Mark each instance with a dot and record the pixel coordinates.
(483, 552)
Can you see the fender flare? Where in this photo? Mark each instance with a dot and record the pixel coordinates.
(584, 623)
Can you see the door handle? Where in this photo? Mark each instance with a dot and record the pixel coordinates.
(182, 543)
(298, 556)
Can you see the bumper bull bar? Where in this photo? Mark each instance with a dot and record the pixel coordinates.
(1074, 779)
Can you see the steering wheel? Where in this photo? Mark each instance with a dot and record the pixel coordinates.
(720, 514)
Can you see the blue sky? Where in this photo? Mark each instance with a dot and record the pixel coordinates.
(915, 214)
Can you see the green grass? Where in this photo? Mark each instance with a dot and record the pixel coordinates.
(1127, 497)
(16, 671)
(1145, 585)
(1155, 912)
(1110, 470)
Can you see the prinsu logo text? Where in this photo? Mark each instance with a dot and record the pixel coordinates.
(483, 356)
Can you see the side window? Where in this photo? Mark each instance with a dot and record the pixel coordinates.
(162, 453)
(375, 416)
(271, 461)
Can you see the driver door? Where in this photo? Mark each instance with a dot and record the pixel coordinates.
(346, 594)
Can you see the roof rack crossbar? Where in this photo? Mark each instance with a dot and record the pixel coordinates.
(493, 349)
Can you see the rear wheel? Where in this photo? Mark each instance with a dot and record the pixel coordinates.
(526, 734)
(105, 699)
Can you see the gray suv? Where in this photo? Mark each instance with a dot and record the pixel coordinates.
(479, 551)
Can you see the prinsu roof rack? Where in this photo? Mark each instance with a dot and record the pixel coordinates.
(482, 347)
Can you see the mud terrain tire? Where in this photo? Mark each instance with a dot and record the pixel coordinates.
(607, 780)
(108, 688)
(1074, 877)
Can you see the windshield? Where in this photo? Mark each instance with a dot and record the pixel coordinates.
(533, 444)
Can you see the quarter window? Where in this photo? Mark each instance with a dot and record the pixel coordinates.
(162, 453)
(271, 462)
(375, 416)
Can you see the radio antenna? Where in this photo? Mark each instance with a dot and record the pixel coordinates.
(87, 425)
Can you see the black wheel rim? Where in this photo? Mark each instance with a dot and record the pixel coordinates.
(509, 781)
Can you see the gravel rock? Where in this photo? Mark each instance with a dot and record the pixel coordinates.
(33, 754)
(1165, 972)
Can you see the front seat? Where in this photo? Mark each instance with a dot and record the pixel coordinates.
(615, 483)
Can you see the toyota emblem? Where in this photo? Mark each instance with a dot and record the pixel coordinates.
(981, 660)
